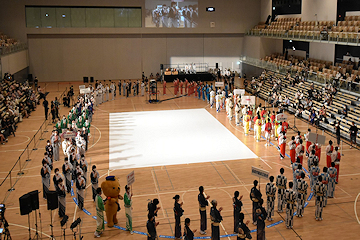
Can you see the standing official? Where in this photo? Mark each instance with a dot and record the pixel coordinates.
(203, 202)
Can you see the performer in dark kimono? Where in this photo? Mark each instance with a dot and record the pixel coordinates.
(216, 219)
(203, 202)
(255, 196)
(237, 204)
(178, 212)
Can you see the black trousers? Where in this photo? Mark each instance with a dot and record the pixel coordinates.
(46, 113)
(177, 227)
(203, 222)
(260, 233)
(236, 220)
(215, 232)
(255, 206)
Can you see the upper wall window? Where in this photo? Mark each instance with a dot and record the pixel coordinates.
(82, 17)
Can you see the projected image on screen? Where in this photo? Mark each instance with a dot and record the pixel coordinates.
(171, 13)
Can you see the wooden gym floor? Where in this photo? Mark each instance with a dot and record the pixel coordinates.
(220, 180)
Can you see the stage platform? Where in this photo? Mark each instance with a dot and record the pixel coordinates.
(200, 76)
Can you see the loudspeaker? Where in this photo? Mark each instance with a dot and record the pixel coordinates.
(91, 79)
(30, 77)
(217, 65)
(25, 204)
(86, 79)
(34, 199)
(52, 200)
(161, 66)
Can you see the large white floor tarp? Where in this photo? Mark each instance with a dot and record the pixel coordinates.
(159, 138)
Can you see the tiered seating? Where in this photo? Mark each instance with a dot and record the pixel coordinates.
(333, 111)
(281, 26)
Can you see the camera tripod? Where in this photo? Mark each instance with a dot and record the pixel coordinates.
(6, 233)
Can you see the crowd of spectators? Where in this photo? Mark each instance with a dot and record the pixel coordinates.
(17, 101)
(302, 100)
(6, 41)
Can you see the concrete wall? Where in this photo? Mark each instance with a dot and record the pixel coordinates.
(323, 51)
(325, 10)
(72, 57)
(14, 62)
(259, 47)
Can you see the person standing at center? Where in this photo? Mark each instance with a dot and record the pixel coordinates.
(203, 202)
(178, 212)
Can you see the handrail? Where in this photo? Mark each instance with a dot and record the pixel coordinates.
(5, 50)
(343, 38)
(29, 150)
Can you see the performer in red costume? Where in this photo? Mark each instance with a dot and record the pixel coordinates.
(329, 149)
(292, 146)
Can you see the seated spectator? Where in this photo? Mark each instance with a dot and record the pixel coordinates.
(344, 111)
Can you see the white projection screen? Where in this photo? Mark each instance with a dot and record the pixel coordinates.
(171, 13)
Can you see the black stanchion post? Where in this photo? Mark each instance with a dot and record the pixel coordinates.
(41, 131)
(28, 153)
(11, 186)
(20, 172)
(34, 149)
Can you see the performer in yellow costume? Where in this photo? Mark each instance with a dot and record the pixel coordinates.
(257, 126)
(247, 120)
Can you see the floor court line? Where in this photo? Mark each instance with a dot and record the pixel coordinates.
(157, 190)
